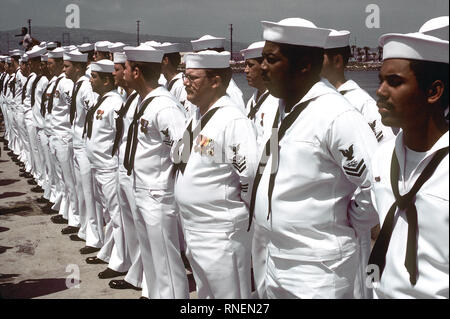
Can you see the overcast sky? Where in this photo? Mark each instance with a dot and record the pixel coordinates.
(194, 18)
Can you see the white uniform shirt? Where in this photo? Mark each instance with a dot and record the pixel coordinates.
(162, 80)
(27, 100)
(214, 191)
(365, 104)
(6, 79)
(19, 84)
(324, 156)
(161, 124)
(84, 101)
(264, 117)
(433, 224)
(8, 95)
(36, 108)
(99, 146)
(122, 92)
(48, 128)
(61, 109)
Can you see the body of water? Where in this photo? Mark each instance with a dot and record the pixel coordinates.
(368, 80)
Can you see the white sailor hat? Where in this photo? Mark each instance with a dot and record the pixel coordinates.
(16, 52)
(337, 39)
(254, 50)
(116, 47)
(105, 65)
(414, 46)
(75, 56)
(168, 47)
(44, 57)
(208, 59)
(51, 45)
(24, 58)
(436, 27)
(119, 57)
(36, 51)
(207, 42)
(144, 53)
(56, 53)
(43, 44)
(2, 58)
(102, 46)
(86, 47)
(296, 31)
(8, 60)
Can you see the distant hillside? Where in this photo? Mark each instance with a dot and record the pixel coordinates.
(79, 36)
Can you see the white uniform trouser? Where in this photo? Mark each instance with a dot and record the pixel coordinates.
(91, 220)
(331, 279)
(220, 263)
(259, 258)
(63, 203)
(63, 152)
(49, 167)
(40, 161)
(36, 168)
(160, 247)
(105, 193)
(128, 212)
(13, 142)
(361, 290)
(24, 143)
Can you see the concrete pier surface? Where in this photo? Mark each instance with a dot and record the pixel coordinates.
(36, 260)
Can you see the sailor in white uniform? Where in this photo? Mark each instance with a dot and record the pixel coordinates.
(411, 173)
(37, 91)
(157, 122)
(118, 47)
(318, 159)
(101, 50)
(208, 42)
(134, 277)
(91, 230)
(261, 109)
(217, 159)
(100, 131)
(89, 49)
(337, 53)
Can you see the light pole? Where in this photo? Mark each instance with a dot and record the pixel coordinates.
(137, 22)
(231, 40)
(29, 26)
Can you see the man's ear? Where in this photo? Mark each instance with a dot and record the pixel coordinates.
(338, 61)
(435, 91)
(216, 81)
(165, 60)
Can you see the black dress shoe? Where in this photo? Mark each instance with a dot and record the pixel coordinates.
(88, 250)
(37, 189)
(49, 211)
(109, 273)
(59, 219)
(32, 182)
(10, 153)
(23, 174)
(95, 261)
(122, 284)
(22, 170)
(42, 200)
(142, 297)
(75, 237)
(70, 230)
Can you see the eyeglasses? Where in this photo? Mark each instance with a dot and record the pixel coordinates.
(192, 78)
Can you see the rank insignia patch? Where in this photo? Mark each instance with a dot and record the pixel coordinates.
(167, 140)
(239, 162)
(57, 94)
(352, 166)
(204, 146)
(68, 98)
(99, 114)
(378, 135)
(144, 126)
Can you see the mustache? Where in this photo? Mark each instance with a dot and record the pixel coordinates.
(383, 103)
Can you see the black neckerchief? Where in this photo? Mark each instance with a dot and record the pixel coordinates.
(190, 135)
(119, 121)
(33, 89)
(267, 152)
(407, 203)
(130, 149)
(73, 100)
(90, 117)
(24, 89)
(44, 99)
(255, 108)
(50, 100)
(171, 83)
